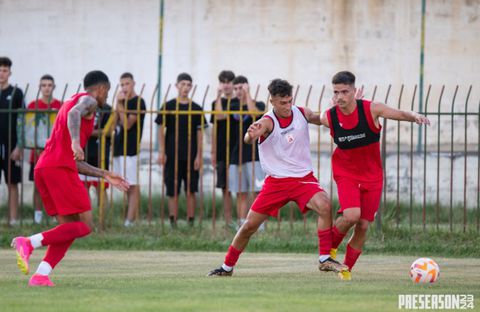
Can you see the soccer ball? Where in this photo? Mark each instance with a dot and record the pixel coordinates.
(424, 270)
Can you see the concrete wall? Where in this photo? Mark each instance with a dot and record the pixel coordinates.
(304, 41)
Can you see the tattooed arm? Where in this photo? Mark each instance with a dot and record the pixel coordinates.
(112, 178)
(89, 170)
(85, 108)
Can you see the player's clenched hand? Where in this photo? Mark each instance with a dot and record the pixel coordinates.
(255, 130)
(77, 151)
(420, 119)
(117, 181)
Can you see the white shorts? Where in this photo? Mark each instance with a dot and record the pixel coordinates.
(127, 168)
(248, 181)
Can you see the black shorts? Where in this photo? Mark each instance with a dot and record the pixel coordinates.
(30, 172)
(181, 176)
(222, 169)
(15, 171)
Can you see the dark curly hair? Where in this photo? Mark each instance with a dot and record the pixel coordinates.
(279, 87)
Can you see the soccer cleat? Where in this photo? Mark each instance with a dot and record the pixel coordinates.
(345, 275)
(333, 253)
(220, 272)
(24, 249)
(332, 265)
(40, 280)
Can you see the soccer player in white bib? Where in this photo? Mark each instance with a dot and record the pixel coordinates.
(284, 150)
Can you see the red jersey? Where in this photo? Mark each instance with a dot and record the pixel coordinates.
(357, 155)
(40, 104)
(58, 149)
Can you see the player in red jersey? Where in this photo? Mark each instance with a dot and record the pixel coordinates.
(356, 162)
(284, 150)
(56, 177)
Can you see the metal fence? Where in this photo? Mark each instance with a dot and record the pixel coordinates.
(432, 176)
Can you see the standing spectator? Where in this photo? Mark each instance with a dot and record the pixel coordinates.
(46, 102)
(167, 145)
(11, 144)
(224, 101)
(245, 172)
(126, 155)
(93, 148)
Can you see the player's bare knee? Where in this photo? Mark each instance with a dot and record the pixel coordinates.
(321, 204)
(362, 226)
(351, 218)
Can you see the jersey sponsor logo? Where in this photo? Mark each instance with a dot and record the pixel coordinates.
(287, 130)
(350, 138)
(290, 138)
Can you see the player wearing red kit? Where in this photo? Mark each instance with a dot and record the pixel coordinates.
(356, 162)
(284, 150)
(56, 177)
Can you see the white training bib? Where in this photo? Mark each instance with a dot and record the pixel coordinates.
(286, 151)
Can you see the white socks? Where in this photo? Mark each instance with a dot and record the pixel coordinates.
(227, 268)
(44, 268)
(36, 240)
(38, 216)
(322, 258)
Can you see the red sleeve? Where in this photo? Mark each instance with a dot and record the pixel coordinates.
(368, 114)
(31, 105)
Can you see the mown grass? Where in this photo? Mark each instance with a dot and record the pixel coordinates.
(175, 281)
(395, 235)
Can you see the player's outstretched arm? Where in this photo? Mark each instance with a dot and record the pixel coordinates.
(385, 111)
(312, 117)
(85, 107)
(262, 127)
(112, 178)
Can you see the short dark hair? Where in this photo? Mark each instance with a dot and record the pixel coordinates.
(240, 79)
(47, 77)
(184, 76)
(95, 77)
(280, 87)
(344, 77)
(226, 76)
(126, 75)
(5, 61)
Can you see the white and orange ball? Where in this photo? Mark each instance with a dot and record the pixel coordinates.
(424, 271)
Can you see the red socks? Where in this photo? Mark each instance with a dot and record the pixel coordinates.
(337, 237)
(351, 256)
(324, 241)
(232, 256)
(64, 233)
(55, 253)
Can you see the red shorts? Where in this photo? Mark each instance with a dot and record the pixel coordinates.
(276, 193)
(363, 195)
(61, 191)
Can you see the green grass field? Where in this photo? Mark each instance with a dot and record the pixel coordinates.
(175, 281)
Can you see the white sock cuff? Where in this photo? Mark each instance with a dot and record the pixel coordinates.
(36, 240)
(323, 257)
(226, 267)
(44, 268)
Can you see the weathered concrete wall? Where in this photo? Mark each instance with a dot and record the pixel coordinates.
(304, 41)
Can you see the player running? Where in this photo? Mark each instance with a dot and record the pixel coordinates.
(56, 177)
(356, 162)
(284, 150)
